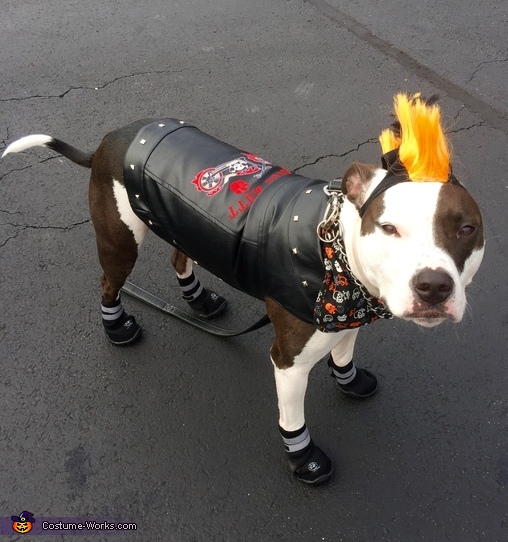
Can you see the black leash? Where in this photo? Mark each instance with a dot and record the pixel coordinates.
(159, 304)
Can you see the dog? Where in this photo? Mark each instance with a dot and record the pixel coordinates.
(402, 240)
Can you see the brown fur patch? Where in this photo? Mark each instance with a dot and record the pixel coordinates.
(291, 334)
(455, 209)
(355, 182)
(179, 261)
(372, 214)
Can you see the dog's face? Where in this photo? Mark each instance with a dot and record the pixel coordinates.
(419, 244)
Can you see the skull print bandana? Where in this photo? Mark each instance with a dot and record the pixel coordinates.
(342, 302)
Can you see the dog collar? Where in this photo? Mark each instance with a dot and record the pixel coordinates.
(396, 174)
(343, 302)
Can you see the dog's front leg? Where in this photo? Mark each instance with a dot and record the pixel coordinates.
(309, 463)
(352, 380)
(297, 347)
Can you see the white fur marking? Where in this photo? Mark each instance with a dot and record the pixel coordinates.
(27, 142)
(292, 382)
(127, 216)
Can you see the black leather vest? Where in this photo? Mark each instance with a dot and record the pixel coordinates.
(248, 222)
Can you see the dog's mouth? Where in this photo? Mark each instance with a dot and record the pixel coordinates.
(427, 315)
(429, 318)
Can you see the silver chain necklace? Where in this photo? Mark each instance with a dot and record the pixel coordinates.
(330, 230)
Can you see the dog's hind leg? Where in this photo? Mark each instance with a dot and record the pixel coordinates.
(119, 232)
(204, 302)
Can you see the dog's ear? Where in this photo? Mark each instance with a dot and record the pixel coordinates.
(356, 181)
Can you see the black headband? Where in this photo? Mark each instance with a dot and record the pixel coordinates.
(396, 174)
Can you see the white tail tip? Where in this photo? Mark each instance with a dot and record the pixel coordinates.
(37, 140)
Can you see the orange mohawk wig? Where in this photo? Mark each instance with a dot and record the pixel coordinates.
(423, 148)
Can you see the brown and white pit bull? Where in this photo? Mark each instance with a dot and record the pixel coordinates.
(402, 240)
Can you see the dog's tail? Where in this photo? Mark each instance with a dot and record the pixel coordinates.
(39, 140)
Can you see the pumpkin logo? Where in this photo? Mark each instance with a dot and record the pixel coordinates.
(23, 523)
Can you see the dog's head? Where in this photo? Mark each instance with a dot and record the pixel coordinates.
(418, 239)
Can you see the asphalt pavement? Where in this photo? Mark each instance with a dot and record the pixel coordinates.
(178, 434)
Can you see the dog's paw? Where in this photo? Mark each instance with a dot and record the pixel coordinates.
(312, 467)
(126, 333)
(363, 385)
(211, 305)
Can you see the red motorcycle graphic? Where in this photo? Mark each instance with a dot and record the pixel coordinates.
(213, 180)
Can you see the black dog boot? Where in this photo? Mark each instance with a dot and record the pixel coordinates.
(208, 305)
(123, 332)
(205, 303)
(308, 462)
(312, 466)
(120, 328)
(353, 381)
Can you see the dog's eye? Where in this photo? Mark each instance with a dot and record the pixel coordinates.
(390, 229)
(466, 231)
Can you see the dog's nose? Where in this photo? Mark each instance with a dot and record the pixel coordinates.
(433, 286)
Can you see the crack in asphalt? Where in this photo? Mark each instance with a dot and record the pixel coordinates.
(466, 128)
(494, 117)
(48, 227)
(334, 155)
(13, 171)
(96, 87)
(483, 64)
(9, 212)
(29, 166)
(22, 227)
(457, 115)
(3, 144)
(375, 140)
(10, 238)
